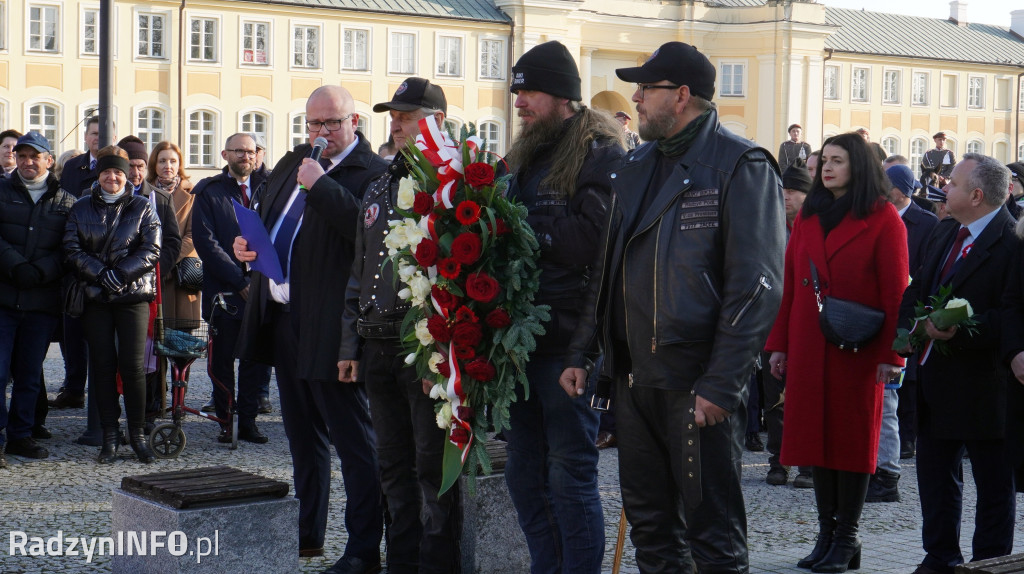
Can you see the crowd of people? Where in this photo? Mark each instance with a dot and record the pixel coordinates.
(687, 279)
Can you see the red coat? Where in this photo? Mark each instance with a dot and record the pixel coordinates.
(833, 406)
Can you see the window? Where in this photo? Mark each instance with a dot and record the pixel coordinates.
(363, 126)
(975, 92)
(975, 146)
(492, 59)
(298, 130)
(859, 85)
(203, 40)
(831, 84)
(201, 137)
(490, 133)
(151, 35)
(3, 27)
(355, 50)
(43, 28)
(256, 123)
(917, 147)
(732, 83)
(306, 46)
(891, 87)
(891, 145)
(1003, 94)
(149, 126)
(453, 128)
(947, 94)
(449, 56)
(43, 119)
(919, 89)
(90, 32)
(403, 53)
(1020, 152)
(255, 37)
(1020, 96)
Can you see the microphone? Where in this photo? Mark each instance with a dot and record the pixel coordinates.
(319, 145)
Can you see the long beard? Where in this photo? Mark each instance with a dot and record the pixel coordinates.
(656, 124)
(542, 131)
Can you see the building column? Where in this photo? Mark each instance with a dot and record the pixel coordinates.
(815, 101)
(767, 112)
(586, 69)
(796, 98)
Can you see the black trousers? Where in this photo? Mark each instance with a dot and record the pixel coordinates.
(424, 533)
(316, 416)
(116, 335)
(252, 377)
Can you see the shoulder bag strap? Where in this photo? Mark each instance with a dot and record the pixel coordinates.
(816, 283)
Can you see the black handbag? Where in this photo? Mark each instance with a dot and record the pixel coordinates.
(845, 324)
(189, 274)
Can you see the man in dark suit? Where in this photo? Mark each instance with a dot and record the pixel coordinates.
(295, 325)
(962, 394)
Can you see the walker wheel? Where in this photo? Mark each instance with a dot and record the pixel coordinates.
(167, 440)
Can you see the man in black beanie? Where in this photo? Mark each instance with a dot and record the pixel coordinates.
(688, 282)
(796, 182)
(559, 163)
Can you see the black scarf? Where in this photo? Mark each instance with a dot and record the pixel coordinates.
(833, 211)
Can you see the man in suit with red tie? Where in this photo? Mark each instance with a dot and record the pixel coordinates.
(962, 394)
(310, 210)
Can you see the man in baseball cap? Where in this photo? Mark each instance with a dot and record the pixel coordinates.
(632, 138)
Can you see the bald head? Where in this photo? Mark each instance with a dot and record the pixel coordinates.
(325, 108)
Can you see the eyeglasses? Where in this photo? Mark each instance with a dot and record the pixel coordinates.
(331, 125)
(643, 87)
(243, 152)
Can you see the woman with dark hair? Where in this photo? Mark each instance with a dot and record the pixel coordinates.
(858, 245)
(112, 242)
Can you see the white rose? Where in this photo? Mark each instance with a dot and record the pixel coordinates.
(406, 272)
(415, 234)
(420, 288)
(437, 391)
(424, 335)
(957, 303)
(444, 416)
(406, 193)
(396, 238)
(434, 360)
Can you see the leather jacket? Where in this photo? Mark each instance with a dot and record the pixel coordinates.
(134, 245)
(701, 270)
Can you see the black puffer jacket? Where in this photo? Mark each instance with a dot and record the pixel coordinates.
(134, 245)
(31, 234)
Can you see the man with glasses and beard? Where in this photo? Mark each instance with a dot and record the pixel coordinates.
(560, 165)
(688, 283)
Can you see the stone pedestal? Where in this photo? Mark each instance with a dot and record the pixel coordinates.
(492, 542)
(249, 536)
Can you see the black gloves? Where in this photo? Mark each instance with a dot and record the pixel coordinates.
(26, 275)
(111, 280)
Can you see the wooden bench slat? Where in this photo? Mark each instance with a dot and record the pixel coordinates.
(203, 486)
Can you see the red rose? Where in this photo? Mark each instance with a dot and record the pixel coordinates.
(479, 174)
(466, 413)
(464, 353)
(467, 212)
(466, 334)
(423, 203)
(480, 369)
(438, 328)
(459, 436)
(443, 370)
(465, 315)
(444, 298)
(426, 253)
(497, 319)
(466, 248)
(449, 268)
(482, 287)
(501, 228)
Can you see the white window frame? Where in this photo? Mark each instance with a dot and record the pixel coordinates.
(204, 161)
(268, 125)
(364, 124)
(58, 114)
(82, 27)
(1020, 96)
(267, 46)
(457, 123)
(865, 89)
(915, 158)
(297, 133)
(146, 134)
(215, 43)
(439, 41)
(956, 91)
(892, 149)
(837, 91)
(501, 132)
(502, 59)
(165, 44)
(365, 68)
(3, 112)
(927, 83)
(392, 70)
(975, 101)
(58, 21)
(1020, 152)
(975, 145)
(306, 25)
(3, 32)
(891, 94)
(732, 93)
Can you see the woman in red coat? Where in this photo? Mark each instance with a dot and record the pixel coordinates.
(833, 396)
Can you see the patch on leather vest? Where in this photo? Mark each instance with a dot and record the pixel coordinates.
(698, 209)
(371, 214)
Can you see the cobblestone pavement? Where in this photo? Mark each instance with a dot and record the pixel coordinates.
(69, 492)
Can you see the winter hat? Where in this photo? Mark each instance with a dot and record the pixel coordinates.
(796, 177)
(135, 147)
(548, 68)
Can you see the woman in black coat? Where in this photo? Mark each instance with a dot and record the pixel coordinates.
(112, 242)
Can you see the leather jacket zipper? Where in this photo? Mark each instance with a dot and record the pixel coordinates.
(711, 286)
(760, 287)
(654, 333)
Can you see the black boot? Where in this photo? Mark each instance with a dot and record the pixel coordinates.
(137, 438)
(845, 551)
(825, 496)
(111, 440)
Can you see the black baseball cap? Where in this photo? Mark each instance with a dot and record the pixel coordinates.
(413, 94)
(676, 62)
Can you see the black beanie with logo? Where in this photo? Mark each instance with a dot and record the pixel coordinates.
(548, 68)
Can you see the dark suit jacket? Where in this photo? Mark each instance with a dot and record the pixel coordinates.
(1013, 343)
(962, 396)
(170, 242)
(77, 178)
(214, 228)
(920, 223)
(322, 260)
